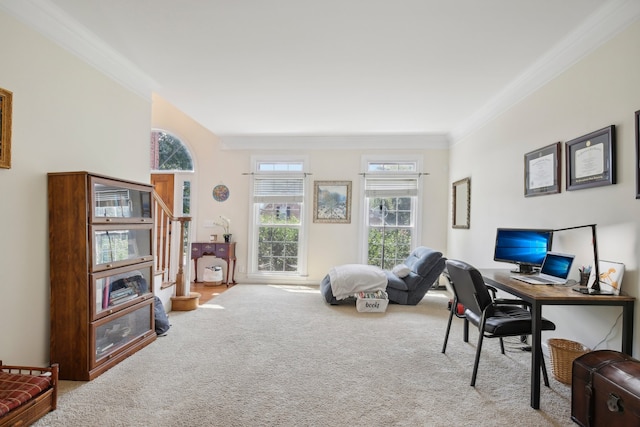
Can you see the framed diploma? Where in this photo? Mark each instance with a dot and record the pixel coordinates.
(637, 154)
(591, 159)
(542, 171)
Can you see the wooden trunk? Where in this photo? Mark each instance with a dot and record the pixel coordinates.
(605, 389)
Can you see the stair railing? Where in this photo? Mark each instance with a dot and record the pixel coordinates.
(171, 235)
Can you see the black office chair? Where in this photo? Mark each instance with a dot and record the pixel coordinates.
(457, 309)
(495, 318)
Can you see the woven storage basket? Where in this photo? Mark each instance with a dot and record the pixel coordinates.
(563, 353)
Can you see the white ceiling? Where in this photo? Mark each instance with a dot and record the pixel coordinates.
(432, 68)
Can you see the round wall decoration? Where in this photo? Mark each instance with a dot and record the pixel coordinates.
(220, 193)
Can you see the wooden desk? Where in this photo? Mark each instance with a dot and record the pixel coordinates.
(222, 250)
(539, 295)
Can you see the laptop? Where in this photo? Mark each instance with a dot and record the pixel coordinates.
(554, 271)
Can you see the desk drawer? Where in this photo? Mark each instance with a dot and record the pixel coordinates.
(208, 248)
(196, 250)
(226, 250)
(221, 250)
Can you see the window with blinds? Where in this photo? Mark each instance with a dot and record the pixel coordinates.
(391, 197)
(278, 192)
(280, 189)
(391, 186)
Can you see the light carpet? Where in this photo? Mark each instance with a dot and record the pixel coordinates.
(260, 355)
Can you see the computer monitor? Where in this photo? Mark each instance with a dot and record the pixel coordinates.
(524, 247)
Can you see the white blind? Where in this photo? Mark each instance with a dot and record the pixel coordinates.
(281, 190)
(391, 187)
(112, 195)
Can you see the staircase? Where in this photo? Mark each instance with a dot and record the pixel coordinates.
(171, 237)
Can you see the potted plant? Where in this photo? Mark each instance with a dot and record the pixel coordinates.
(225, 223)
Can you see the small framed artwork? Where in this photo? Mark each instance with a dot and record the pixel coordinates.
(591, 159)
(220, 193)
(461, 201)
(542, 171)
(637, 154)
(5, 128)
(332, 202)
(611, 274)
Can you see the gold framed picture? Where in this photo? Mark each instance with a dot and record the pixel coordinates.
(332, 202)
(6, 99)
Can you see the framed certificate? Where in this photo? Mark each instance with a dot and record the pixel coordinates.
(591, 159)
(542, 171)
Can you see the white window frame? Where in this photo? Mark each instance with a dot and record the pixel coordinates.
(180, 177)
(252, 268)
(363, 247)
(185, 144)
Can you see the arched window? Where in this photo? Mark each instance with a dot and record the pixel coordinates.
(168, 153)
(171, 159)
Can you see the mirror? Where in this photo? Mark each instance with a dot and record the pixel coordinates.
(461, 203)
(5, 128)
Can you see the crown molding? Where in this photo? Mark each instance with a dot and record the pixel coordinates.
(335, 142)
(53, 23)
(607, 22)
(613, 17)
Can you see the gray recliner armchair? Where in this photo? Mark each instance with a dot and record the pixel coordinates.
(424, 268)
(419, 272)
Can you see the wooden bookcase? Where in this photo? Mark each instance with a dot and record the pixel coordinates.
(101, 271)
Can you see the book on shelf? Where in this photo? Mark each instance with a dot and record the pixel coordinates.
(121, 292)
(103, 348)
(120, 300)
(105, 293)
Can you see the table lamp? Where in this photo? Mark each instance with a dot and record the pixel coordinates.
(595, 288)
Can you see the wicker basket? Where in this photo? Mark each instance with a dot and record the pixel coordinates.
(563, 353)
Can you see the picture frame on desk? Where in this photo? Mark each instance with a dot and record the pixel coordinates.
(542, 171)
(591, 159)
(611, 275)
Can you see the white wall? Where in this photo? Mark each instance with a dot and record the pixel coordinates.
(69, 116)
(329, 244)
(601, 90)
(66, 116)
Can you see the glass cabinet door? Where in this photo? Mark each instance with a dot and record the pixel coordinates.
(114, 201)
(118, 288)
(113, 333)
(116, 246)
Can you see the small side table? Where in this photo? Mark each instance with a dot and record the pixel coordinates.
(222, 250)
